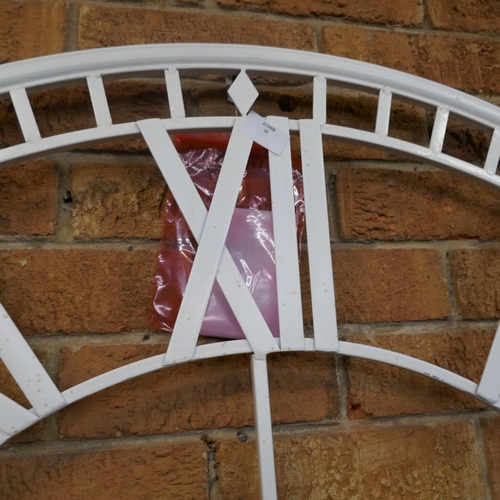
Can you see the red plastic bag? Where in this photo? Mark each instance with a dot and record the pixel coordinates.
(250, 238)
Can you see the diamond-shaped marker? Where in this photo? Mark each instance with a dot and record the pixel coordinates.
(243, 93)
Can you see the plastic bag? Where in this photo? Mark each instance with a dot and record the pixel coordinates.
(250, 238)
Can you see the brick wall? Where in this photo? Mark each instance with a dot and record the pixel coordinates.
(415, 251)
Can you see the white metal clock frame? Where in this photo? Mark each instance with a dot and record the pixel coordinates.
(213, 261)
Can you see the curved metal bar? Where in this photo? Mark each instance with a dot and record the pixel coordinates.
(96, 135)
(75, 67)
(155, 363)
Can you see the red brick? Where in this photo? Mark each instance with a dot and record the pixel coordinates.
(394, 205)
(379, 390)
(389, 285)
(491, 433)
(464, 142)
(406, 12)
(198, 395)
(30, 29)
(476, 280)
(77, 290)
(117, 200)
(417, 462)
(151, 471)
(102, 26)
(467, 63)
(466, 15)
(28, 198)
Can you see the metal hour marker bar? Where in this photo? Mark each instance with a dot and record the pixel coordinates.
(195, 213)
(13, 417)
(285, 241)
(27, 371)
(318, 237)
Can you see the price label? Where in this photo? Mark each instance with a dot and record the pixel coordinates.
(264, 133)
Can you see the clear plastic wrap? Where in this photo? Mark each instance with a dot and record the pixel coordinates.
(250, 238)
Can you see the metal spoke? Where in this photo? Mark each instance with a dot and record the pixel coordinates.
(264, 429)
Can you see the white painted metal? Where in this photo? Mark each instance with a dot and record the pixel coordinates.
(192, 207)
(439, 130)
(318, 237)
(174, 92)
(489, 385)
(53, 144)
(13, 417)
(26, 369)
(320, 99)
(285, 245)
(171, 61)
(409, 363)
(264, 429)
(234, 347)
(203, 273)
(75, 67)
(149, 365)
(493, 156)
(99, 101)
(410, 150)
(383, 112)
(25, 115)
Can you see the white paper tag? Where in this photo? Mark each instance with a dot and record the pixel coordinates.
(262, 132)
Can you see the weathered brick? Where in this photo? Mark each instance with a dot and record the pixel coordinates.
(491, 433)
(77, 290)
(397, 205)
(198, 395)
(28, 198)
(466, 15)
(467, 63)
(30, 29)
(117, 200)
(147, 472)
(465, 142)
(371, 463)
(389, 285)
(383, 285)
(379, 390)
(406, 12)
(476, 280)
(102, 26)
